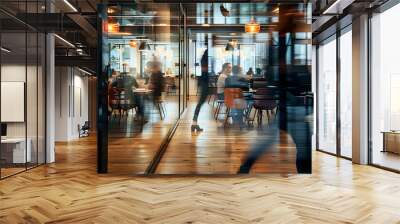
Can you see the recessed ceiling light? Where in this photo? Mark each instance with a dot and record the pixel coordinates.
(70, 5)
(5, 50)
(64, 40)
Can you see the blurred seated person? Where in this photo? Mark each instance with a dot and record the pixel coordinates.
(226, 71)
(237, 80)
(156, 82)
(250, 72)
(258, 71)
(168, 72)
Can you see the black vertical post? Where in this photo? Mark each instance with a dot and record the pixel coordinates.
(338, 74)
(284, 27)
(102, 95)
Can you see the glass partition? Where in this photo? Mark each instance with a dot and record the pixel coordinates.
(327, 96)
(346, 93)
(262, 126)
(385, 87)
(146, 50)
(22, 89)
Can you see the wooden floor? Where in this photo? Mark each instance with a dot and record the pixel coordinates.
(221, 150)
(131, 148)
(70, 191)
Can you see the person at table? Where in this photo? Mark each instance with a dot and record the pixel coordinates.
(226, 71)
(250, 72)
(237, 80)
(258, 71)
(203, 86)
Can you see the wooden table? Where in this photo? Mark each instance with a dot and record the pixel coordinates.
(391, 141)
(142, 91)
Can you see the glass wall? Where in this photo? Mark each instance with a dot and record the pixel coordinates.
(346, 92)
(145, 50)
(327, 93)
(335, 94)
(385, 87)
(22, 89)
(252, 87)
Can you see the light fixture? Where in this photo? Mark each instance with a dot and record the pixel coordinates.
(5, 50)
(84, 71)
(334, 7)
(70, 5)
(110, 10)
(229, 47)
(113, 27)
(224, 11)
(276, 10)
(144, 46)
(64, 40)
(252, 26)
(133, 44)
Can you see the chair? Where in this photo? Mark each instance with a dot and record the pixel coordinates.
(220, 103)
(233, 99)
(83, 131)
(264, 100)
(259, 83)
(170, 86)
(114, 100)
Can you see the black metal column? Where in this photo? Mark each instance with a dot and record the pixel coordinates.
(102, 94)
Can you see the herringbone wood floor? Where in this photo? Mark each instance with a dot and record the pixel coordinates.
(71, 191)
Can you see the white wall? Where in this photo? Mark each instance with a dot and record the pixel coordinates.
(71, 102)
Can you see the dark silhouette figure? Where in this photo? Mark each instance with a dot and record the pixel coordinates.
(203, 86)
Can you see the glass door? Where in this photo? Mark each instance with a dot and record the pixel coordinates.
(327, 94)
(346, 93)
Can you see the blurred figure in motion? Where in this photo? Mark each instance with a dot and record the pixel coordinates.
(156, 82)
(226, 71)
(297, 124)
(203, 86)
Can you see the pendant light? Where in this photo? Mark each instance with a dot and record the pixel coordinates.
(252, 26)
(133, 44)
(144, 46)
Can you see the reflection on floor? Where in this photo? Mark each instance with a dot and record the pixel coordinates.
(220, 150)
(11, 169)
(7, 171)
(70, 191)
(132, 147)
(387, 159)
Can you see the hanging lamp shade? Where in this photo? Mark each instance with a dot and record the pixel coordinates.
(229, 47)
(252, 26)
(113, 27)
(144, 46)
(133, 44)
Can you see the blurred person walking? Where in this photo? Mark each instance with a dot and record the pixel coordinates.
(203, 86)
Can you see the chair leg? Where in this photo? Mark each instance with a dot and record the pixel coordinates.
(227, 115)
(260, 117)
(217, 111)
(163, 109)
(159, 110)
(268, 115)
